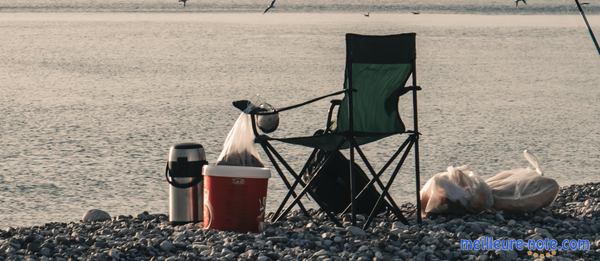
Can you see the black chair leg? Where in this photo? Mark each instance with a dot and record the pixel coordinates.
(376, 178)
(352, 199)
(417, 177)
(305, 190)
(389, 184)
(285, 180)
(291, 190)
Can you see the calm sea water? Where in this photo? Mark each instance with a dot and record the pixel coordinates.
(91, 102)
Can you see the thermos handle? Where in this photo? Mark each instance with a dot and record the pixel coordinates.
(195, 181)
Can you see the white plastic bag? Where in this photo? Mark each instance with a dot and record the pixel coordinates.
(523, 189)
(238, 149)
(458, 190)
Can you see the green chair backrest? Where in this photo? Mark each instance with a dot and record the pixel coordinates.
(376, 68)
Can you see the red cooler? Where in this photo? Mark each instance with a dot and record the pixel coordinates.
(235, 197)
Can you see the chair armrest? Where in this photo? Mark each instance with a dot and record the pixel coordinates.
(243, 103)
(403, 90)
(330, 113)
(310, 101)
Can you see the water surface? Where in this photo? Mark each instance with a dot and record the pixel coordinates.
(91, 102)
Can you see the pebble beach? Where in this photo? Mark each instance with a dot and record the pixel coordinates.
(93, 93)
(145, 236)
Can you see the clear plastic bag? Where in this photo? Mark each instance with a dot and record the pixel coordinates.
(523, 189)
(458, 190)
(238, 149)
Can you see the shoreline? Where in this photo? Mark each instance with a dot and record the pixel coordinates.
(288, 12)
(574, 214)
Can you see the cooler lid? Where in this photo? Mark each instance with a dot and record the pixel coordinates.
(236, 171)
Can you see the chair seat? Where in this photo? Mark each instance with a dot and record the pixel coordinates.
(329, 141)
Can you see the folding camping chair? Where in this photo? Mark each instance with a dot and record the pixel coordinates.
(377, 69)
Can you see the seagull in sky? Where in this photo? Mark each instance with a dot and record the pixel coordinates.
(270, 6)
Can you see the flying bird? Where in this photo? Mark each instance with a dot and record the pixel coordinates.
(270, 6)
(517, 2)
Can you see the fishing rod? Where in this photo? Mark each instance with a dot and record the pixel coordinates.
(588, 26)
